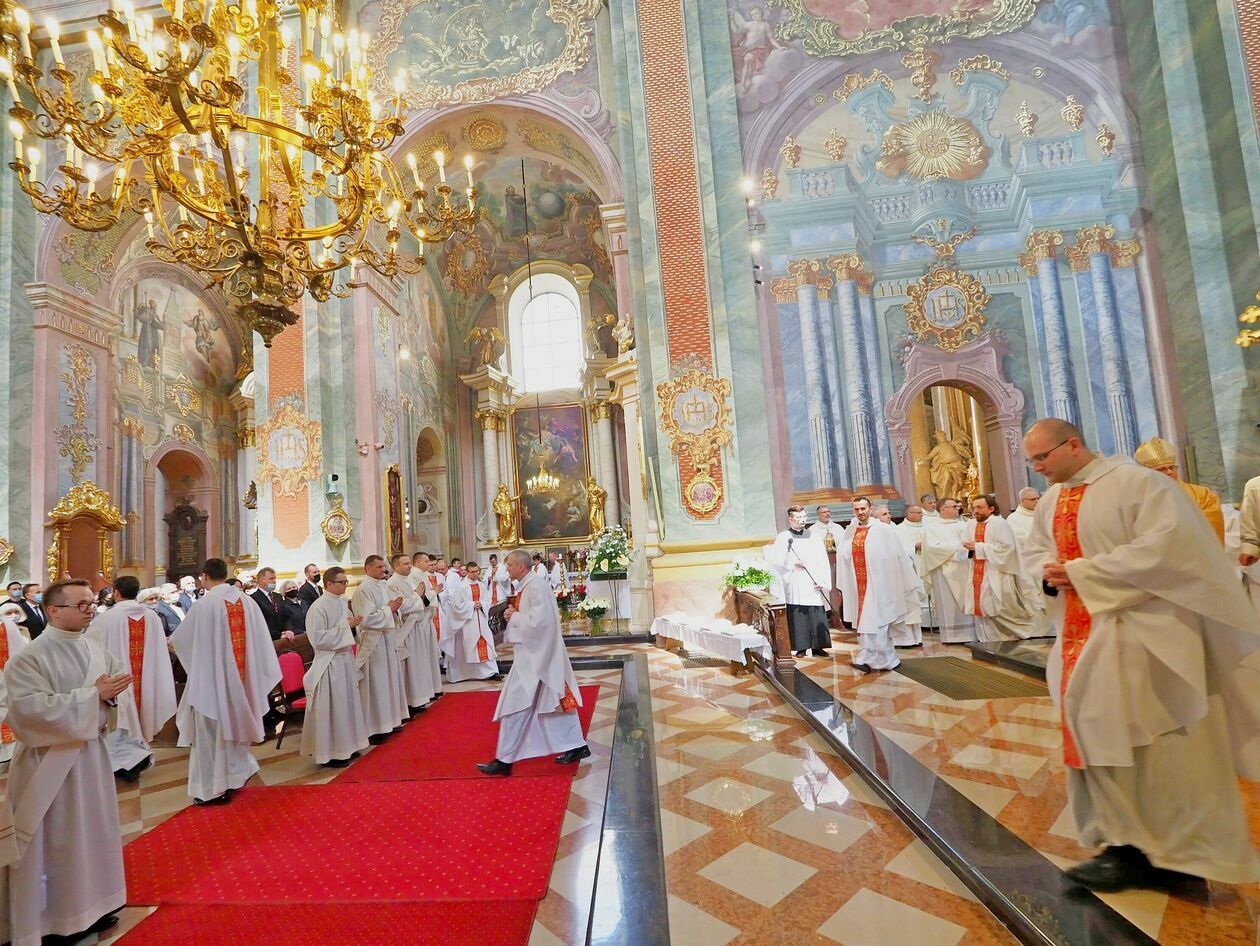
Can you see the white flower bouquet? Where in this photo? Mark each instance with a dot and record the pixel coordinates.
(609, 554)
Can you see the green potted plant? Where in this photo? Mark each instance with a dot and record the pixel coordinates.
(748, 575)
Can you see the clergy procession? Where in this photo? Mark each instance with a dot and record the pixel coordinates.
(83, 700)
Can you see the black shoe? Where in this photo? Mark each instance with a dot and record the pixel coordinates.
(819, 652)
(574, 755)
(378, 738)
(1116, 868)
(865, 668)
(335, 763)
(217, 800)
(417, 710)
(495, 767)
(107, 922)
(496, 676)
(800, 653)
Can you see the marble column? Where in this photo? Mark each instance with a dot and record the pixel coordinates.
(492, 421)
(809, 281)
(870, 336)
(624, 375)
(864, 446)
(1063, 401)
(606, 462)
(1093, 252)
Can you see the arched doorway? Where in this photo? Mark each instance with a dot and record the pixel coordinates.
(961, 402)
(430, 491)
(182, 503)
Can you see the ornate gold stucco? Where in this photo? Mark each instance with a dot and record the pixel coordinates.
(946, 308)
(289, 453)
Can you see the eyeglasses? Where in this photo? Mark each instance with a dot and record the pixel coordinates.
(1041, 457)
(83, 607)
(337, 581)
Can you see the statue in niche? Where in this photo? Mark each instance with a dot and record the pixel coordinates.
(596, 495)
(149, 327)
(623, 333)
(487, 343)
(948, 463)
(504, 509)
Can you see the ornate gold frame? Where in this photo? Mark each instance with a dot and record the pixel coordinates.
(704, 447)
(517, 488)
(576, 16)
(287, 482)
(337, 514)
(975, 299)
(87, 500)
(6, 552)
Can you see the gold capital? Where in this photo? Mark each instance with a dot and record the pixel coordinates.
(600, 410)
(848, 266)
(784, 289)
(1124, 253)
(490, 419)
(1095, 239)
(245, 437)
(1041, 244)
(809, 272)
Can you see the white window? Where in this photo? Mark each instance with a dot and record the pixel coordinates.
(548, 342)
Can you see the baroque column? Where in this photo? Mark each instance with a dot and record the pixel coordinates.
(492, 422)
(1093, 253)
(606, 464)
(1061, 389)
(809, 281)
(852, 280)
(624, 376)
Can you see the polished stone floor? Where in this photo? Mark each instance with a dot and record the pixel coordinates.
(769, 838)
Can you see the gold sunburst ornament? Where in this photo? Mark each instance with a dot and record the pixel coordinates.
(932, 146)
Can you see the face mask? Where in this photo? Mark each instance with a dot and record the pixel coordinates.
(271, 586)
(15, 593)
(151, 604)
(39, 597)
(290, 594)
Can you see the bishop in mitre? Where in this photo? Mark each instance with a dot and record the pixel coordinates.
(63, 848)
(947, 570)
(224, 646)
(135, 637)
(333, 729)
(1158, 454)
(1156, 670)
(537, 710)
(878, 587)
(417, 647)
(998, 593)
(466, 637)
(12, 640)
(381, 686)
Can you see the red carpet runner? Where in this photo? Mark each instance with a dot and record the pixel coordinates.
(400, 853)
(449, 739)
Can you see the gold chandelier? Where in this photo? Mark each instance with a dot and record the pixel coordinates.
(269, 192)
(542, 482)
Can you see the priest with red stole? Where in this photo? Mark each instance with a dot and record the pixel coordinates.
(466, 637)
(537, 710)
(135, 637)
(1156, 669)
(224, 646)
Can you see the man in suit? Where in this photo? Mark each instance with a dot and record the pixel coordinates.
(171, 617)
(188, 592)
(270, 603)
(310, 590)
(35, 618)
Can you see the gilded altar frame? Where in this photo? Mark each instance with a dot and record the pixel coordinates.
(85, 501)
(524, 405)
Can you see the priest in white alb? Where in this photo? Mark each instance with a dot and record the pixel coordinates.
(381, 687)
(537, 710)
(417, 647)
(1022, 516)
(910, 531)
(12, 640)
(332, 729)
(63, 848)
(435, 584)
(1156, 669)
(466, 637)
(878, 587)
(998, 594)
(799, 560)
(947, 569)
(224, 646)
(135, 637)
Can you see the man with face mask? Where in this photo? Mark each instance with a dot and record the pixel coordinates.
(269, 603)
(188, 592)
(32, 606)
(169, 608)
(799, 558)
(310, 590)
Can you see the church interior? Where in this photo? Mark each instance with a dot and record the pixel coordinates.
(619, 283)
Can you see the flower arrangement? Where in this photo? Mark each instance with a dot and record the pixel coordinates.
(609, 554)
(594, 607)
(746, 575)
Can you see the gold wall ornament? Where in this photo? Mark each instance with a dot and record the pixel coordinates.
(703, 494)
(783, 289)
(1124, 253)
(600, 410)
(185, 397)
(944, 249)
(245, 437)
(790, 151)
(695, 414)
(490, 419)
(922, 65)
(183, 433)
(1041, 244)
(913, 22)
(856, 82)
(1106, 139)
(932, 146)
(6, 552)
(835, 145)
(466, 265)
(250, 499)
(1249, 316)
(810, 272)
(1073, 113)
(82, 370)
(1027, 120)
(574, 17)
(131, 371)
(946, 308)
(485, 134)
(337, 525)
(769, 184)
(84, 501)
(980, 63)
(486, 343)
(289, 451)
(79, 447)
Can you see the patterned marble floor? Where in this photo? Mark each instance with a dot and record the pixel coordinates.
(1006, 757)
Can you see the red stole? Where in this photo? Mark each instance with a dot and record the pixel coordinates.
(977, 571)
(483, 652)
(135, 643)
(236, 628)
(1076, 619)
(6, 734)
(494, 591)
(567, 702)
(859, 568)
(437, 618)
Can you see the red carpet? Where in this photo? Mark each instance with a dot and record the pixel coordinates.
(464, 923)
(448, 740)
(471, 839)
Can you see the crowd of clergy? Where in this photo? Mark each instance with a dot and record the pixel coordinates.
(82, 702)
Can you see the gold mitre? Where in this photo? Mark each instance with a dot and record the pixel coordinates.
(1157, 453)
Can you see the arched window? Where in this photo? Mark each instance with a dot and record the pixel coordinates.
(547, 334)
